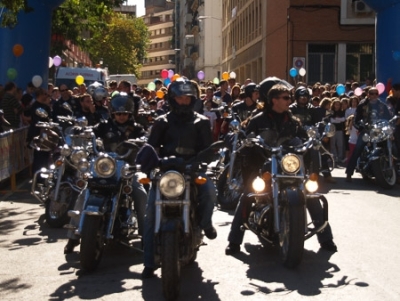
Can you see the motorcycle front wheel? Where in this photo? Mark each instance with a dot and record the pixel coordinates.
(291, 236)
(385, 175)
(228, 197)
(170, 265)
(56, 212)
(92, 244)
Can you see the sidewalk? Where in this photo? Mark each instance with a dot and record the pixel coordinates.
(22, 193)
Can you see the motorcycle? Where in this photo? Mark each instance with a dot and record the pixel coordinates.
(282, 190)
(177, 234)
(376, 160)
(108, 213)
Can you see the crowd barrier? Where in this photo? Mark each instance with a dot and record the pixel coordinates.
(14, 155)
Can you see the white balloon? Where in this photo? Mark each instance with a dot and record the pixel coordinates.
(302, 72)
(37, 81)
(50, 62)
(232, 75)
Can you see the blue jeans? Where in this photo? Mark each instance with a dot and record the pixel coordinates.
(351, 165)
(206, 196)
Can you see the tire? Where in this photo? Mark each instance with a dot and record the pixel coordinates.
(385, 177)
(291, 237)
(92, 244)
(170, 265)
(227, 197)
(56, 212)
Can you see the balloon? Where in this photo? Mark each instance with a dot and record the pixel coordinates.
(151, 86)
(302, 71)
(200, 75)
(57, 61)
(37, 81)
(176, 75)
(160, 94)
(216, 80)
(18, 50)
(232, 75)
(358, 91)
(164, 73)
(170, 73)
(167, 81)
(293, 72)
(340, 89)
(225, 76)
(79, 79)
(380, 87)
(11, 73)
(50, 62)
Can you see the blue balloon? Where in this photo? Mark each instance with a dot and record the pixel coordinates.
(167, 81)
(340, 89)
(293, 72)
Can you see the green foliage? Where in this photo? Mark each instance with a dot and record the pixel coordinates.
(9, 10)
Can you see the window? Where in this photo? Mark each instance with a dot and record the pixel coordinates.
(321, 63)
(359, 62)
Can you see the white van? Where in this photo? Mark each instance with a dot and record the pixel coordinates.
(118, 77)
(67, 75)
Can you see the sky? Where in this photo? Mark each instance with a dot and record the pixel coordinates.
(139, 6)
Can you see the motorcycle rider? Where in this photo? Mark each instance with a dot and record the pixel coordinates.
(181, 133)
(244, 108)
(279, 123)
(368, 109)
(118, 128)
(309, 116)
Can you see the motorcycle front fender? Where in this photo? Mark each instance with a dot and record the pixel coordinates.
(294, 197)
(170, 225)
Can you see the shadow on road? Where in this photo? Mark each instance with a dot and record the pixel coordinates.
(308, 279)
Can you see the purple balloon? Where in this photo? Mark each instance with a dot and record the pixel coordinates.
(57, 61)
(200, 75)
(170, 73)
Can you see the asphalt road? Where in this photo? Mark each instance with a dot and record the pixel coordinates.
(365, 222)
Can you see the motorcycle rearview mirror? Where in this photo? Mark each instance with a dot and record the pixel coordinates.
(67, 107)
(42, 113)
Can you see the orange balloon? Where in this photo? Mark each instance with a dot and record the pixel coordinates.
(225, 75)
(160, 94)
(18, 50)
(175, 77)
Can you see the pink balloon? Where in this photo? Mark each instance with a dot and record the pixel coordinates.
(358, 91)
(380, 87)
(164, 73)
(57, 61)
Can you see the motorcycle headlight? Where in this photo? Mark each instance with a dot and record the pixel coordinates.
(365, 137)
(258, 184)
(311, 186)
(234, 125)
(172, 184)
(312, 132)
(290, 163)
(65, 150)
(105, 166)
(77, 155)
(83, 165)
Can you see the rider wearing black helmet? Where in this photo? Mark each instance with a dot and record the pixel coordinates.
(244, 108)
(182, 133)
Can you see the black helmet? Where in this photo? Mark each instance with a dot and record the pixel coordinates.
(301, 91)
(100, 93)
(122, 104)
(267, 83)
(250, 88)
(180, 87)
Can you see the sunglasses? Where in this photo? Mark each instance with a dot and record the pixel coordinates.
(121, 114)
(63, 90)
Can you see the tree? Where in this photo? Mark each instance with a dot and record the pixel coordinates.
(9, 10)
(122, 45)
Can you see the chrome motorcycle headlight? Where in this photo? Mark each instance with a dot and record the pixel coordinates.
(105, 166)
(172, 184)
(77, 155)
(83, 165)
(365, 137)
(234, 125)
(311, 186)
(312, 132)
(258, 184)
(65, 150)
(290, 163)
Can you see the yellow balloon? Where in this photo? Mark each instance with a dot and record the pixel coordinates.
(225, 75)
(175, 77)
(79, 79)
(160, 94)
